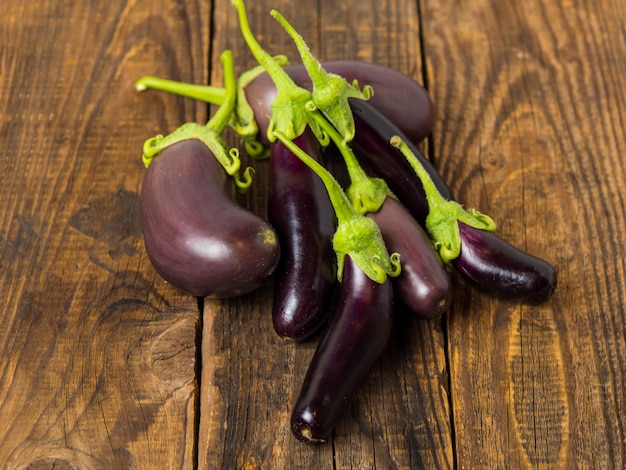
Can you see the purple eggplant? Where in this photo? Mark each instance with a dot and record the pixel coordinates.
(424, 285)
(300, 211)
(355, 338)
(522, 276)
(495, 266)
(396, 96)
(196, 236)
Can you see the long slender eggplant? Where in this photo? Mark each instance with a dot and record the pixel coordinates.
(354, 340)
(300, 211)
(496, 266)
(424, 285)
(196, 236)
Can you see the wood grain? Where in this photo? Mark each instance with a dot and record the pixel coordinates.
(105, 366)
(97, 354)
(531, 129)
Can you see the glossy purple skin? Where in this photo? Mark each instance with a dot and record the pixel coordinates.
(379, 158)
(350, 346)
(495, 266)
(424, 285)
(195, 235)
(300, 211)
(397, 96)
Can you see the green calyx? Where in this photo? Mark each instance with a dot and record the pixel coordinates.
(228, 158)
(366, 194)
(289, 116)
(243, 121)
(443, 214)
(210, 134)
(330, 91)
(360, 238)
(242, 118)
(356, 235)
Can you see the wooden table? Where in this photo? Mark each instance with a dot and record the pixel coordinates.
(103, 365)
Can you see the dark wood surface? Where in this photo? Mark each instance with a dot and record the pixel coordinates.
(103, 365)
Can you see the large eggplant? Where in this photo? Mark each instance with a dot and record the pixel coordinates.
(353, 341)
(300, 211)
(196, 236)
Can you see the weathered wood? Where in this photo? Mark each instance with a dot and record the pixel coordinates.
(530, 129)
(97, 353)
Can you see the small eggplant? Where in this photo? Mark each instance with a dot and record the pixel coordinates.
(300, 211)
(495, 266)
(424, 285)
(353, 341)
(466, 240)
(196, 236)
(396, 96)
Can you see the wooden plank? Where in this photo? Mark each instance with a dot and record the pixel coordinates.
(530, 128)
(97, 353)
(251, 377)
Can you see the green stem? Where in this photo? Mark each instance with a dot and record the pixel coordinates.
(319, 77)
(356, 235)
(443, 214)
(222, 116)
(207, 93)
(275, 71)
(289, 116)
(330, 91)
(366, 194)
(210, 134)
(343, 209)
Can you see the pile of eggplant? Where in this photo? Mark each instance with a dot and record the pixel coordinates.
(359, 223)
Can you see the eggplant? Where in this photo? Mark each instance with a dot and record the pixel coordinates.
(196, 236)
(486, 260)
(352, 343)
(396, 96)
(424, 285)
(302, 215)
(493, 265)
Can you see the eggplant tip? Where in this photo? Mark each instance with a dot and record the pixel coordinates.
(306, 435)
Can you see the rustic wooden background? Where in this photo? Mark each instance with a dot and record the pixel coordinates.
(105, 366)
